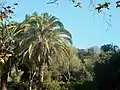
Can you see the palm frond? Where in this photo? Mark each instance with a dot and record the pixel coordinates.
(55, 24)
(64, 32)
(67, 39)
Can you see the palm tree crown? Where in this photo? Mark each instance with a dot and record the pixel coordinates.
(44, 38)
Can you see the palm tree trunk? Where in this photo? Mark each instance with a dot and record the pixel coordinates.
(30, 85)
(31, 81)
(41, 76)
(4, 81)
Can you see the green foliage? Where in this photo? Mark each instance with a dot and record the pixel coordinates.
(38, 53)
(46, 39)
(18, 86)
(15, 76)
(107, 72)
(70, 86)
(54, 85)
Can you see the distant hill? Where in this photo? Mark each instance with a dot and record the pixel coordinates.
(96, 49)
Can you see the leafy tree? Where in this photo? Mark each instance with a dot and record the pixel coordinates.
(109, 48)
(107, 70)
(8, 33)
(88, 57)
(8, 43)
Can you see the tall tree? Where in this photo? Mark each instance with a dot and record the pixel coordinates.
(8, 39)
(44, 38)
(106, 72)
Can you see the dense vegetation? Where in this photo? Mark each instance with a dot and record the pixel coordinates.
(38, 54)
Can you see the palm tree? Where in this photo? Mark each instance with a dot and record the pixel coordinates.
(8, 38)
(44, 38)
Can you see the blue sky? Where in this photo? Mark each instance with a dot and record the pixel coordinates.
(87, 30)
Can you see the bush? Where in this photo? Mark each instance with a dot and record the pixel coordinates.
(55, 85)
(70, 86)
(16, 86)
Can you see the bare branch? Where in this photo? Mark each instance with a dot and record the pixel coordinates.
(52, 1)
